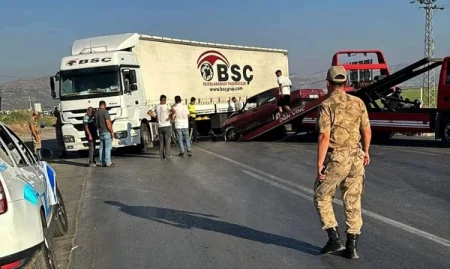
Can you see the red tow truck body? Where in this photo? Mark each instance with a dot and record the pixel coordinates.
(412, 119)
(388, 112)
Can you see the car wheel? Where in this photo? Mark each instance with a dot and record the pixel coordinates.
(44, 257)
(62, 224)
(232, 134)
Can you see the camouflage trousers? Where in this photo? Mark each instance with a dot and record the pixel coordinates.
(345, 170)
(36, 143)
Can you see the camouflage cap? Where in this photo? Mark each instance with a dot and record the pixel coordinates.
(337, 74)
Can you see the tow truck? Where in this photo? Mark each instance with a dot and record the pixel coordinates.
(388, 112)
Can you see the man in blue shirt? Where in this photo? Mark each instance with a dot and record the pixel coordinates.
(90, 130)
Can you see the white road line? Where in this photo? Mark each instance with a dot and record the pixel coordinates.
(405, 227)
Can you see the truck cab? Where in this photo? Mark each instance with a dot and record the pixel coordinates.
(101, 69)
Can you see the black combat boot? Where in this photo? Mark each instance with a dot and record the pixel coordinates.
(351, 245)
(334, 242)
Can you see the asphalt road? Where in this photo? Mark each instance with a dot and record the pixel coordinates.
(249, 205)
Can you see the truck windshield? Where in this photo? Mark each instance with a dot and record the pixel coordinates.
(84, 84)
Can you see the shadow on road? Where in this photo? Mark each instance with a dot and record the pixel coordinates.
(67, 162)
(188, 220)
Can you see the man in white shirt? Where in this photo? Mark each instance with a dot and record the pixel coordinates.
(182, 126)
(284, 84)
(163, 114)
(237, 104)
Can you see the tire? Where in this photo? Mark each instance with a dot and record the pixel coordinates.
(44, 257)
(382, 137)
(62, 224)
(83, 153)
(146, 138)
(232, 134)
(445, 133)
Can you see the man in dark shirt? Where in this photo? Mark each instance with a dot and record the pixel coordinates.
(106, 134)
(91, 134)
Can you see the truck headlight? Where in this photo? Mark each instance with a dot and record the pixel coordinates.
(121, 134)
(69, 139)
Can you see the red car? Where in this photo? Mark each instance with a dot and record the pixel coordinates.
(261, 109)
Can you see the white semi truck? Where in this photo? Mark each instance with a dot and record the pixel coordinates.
(130, 71)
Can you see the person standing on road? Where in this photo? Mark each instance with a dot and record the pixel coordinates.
(35, 133)
(90, 129)
(341, 120)
(164, 115)
(192, 123)
(182, 126)
(59, 135)
(106, 134)
(284, 84)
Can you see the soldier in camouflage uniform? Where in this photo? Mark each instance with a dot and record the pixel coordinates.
(341, 120)
(35, 130)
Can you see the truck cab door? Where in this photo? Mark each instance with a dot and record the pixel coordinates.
(444, 86)
(132, 88)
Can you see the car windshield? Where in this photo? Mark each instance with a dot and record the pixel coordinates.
(79, 85)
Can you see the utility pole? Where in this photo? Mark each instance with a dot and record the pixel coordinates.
(429, 78)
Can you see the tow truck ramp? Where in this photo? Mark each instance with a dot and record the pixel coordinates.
(369, 94)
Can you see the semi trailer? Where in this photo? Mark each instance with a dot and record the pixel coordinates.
(130, 72)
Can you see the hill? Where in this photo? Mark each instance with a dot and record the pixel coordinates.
(18, 93)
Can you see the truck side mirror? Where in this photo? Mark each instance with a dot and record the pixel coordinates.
(53, 83)
(52, 87)
(133, 78)
(133, 87)
(126, 84)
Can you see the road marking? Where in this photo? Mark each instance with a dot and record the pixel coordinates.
(405, 227)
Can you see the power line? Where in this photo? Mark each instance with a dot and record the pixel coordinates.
(429, 78)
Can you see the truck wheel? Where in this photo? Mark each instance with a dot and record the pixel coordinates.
(83, 153)
(62, 225)
(44, 257)
(146, 138)
(382, 137)
(445, 135)
(232, 134)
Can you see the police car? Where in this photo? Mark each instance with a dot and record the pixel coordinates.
(32, 210)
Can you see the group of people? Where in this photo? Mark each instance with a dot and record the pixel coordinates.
(183, 118)
(342, 120)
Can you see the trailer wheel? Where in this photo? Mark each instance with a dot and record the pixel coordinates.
(382, 137)
(445, 135)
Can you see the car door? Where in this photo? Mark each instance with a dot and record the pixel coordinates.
(247, 118)
(28, 166)
(267, 104)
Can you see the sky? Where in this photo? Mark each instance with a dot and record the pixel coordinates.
(35, 35)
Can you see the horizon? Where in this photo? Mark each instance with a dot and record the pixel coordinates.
(42, 41)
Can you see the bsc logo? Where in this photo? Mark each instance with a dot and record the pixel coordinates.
(208, 59)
